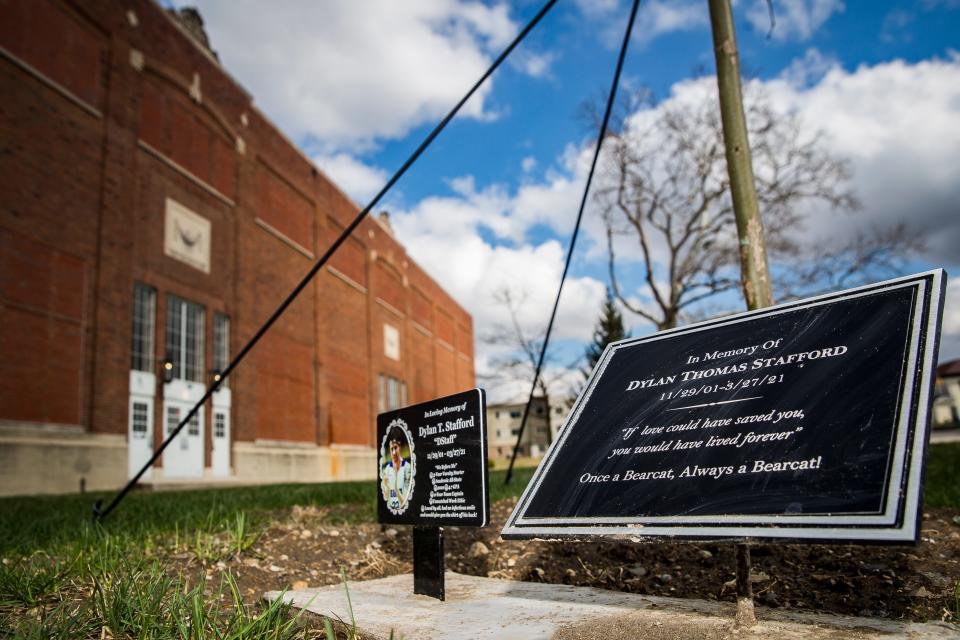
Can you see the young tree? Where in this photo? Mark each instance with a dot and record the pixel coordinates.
(665, 189)
(609, 328)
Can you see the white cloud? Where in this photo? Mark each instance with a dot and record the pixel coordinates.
(346, 73)
(595, 8)
(654, 18)
(473, 270)
(895, 25)
(535, 65)
(795, 19)
(360, 181)
(659, 17)
(899, 124)
(810, 69)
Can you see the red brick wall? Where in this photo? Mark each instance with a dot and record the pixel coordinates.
(421, 309)
(445, 329)
(92, 147)
(350, 259)
(43, 293)
(388, 285)
(284, 208)
(420, 355)
(284, 392)
(345, 362)
(28, 29)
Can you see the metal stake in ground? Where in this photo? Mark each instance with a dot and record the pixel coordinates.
(754, 273)
(428, 562)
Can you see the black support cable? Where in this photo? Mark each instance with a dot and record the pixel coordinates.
(100, 514)
(573, 239)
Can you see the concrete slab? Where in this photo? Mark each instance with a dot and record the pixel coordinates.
(478, 608)
(940, 436)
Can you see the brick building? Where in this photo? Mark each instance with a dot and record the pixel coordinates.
(151, 213)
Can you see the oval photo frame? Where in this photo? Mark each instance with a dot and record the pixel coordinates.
(397, 482)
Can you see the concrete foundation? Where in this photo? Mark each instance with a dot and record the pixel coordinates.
(275, 462)
(478, 608)
(43, 459)
(55, 459)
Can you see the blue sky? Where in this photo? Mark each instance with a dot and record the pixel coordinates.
(358, 83)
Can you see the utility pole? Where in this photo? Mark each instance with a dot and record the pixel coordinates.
(754, 274)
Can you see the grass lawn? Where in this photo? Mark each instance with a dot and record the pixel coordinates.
(64, 576)
(942, 482)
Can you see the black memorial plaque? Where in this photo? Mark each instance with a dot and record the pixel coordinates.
(808, 420)
(432, 463)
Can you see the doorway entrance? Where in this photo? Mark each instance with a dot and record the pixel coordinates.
(143, 381)
(183, 458)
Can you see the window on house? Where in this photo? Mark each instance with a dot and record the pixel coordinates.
(221, 343)
(392, 393)
(516, 414)
(144, 320)
(185, 338)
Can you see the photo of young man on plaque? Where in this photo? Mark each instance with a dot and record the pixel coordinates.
(397, 467)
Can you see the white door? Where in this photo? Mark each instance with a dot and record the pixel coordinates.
(143, 382)
(220, 453)
(183, 458)
(140, 422)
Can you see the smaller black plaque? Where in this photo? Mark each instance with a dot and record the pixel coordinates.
(432, 463)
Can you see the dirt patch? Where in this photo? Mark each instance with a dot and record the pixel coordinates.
(915, 583)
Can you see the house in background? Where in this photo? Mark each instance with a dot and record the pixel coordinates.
(503, 425)
(946, 396)
(152, 219)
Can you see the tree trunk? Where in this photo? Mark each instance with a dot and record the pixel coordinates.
(754, 273)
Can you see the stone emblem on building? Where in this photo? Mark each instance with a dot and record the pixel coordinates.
(186, 236)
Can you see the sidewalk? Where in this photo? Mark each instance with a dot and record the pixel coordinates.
(480, 608)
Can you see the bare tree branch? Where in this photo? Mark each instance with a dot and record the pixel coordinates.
(664, 189)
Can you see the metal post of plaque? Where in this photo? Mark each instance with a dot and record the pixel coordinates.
(428, 562)
(432, 471)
